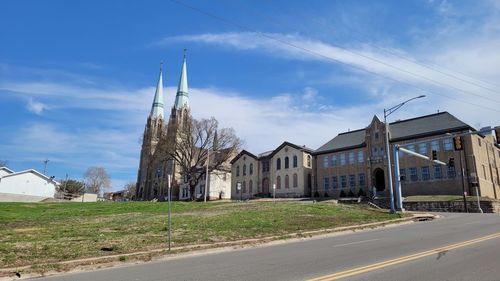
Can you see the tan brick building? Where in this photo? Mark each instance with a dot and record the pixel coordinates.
(288, 167)
(356, 160)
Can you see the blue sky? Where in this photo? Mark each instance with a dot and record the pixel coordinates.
(77, 78)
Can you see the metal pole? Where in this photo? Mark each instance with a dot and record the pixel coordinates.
(274, 192)
(463, 183)
(478, 203)
(388, 154)
(206, 176)
(45, 166)
(169, 221)
(399, 195)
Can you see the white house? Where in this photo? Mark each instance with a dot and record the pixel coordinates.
(25, 186)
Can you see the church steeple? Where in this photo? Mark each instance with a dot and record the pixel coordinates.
(182, 97)
(157, 107)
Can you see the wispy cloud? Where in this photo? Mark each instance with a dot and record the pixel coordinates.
(36, 107)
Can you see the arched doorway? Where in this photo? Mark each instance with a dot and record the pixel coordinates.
(379, 177)
(265, 186)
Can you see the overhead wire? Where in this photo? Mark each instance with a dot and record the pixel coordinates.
(315, 53)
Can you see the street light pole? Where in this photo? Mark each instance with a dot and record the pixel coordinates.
(388, 112)
(206, 175)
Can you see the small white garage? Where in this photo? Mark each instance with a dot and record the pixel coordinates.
(25, 186)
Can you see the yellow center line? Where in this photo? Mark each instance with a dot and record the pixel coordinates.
(375, 266)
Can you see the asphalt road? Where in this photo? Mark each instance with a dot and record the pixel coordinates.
(417, 251)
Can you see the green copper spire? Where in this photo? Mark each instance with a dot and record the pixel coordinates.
(157, 107)
(182, 97)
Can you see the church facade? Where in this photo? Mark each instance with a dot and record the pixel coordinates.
(155, 165)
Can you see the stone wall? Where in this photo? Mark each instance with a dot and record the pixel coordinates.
(452, 206)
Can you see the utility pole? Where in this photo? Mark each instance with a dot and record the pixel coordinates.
(45, 162)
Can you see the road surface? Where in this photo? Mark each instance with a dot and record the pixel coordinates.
(454, 247)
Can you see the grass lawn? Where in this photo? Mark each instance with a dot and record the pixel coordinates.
(39, 233)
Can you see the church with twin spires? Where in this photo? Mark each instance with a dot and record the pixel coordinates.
(155, 164)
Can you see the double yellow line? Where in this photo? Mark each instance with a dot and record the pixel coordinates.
(375, 266)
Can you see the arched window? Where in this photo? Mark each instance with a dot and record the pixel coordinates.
(309, 161)
(287, 163)
(278, 182)
(295, 181)
(244, 170)
(278, 164)
(250, 186)
(251, 169)
(237, 171)
(287, 182)
(295, 161)
(244, 187)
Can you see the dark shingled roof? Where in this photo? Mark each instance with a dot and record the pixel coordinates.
(433, 124)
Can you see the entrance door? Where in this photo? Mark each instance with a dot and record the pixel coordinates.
(379, 179)
(265, 186)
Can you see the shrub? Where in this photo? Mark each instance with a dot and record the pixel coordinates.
(361, 193)
(350, 194)
(342, 194)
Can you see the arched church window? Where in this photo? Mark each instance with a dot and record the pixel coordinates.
(287, 162)
(251, 169)
(295, 161)
(278, 164)
(237, 171)
(244, 170)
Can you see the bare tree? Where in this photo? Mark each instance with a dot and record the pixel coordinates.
(96, 179)
(129, 189)
(3, 163)
(195, 138)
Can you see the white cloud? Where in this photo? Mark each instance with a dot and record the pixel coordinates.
(36, 107)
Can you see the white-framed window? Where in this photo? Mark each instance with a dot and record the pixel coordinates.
(448, 144)
(334, 160)
(361, 158)
(435, 145)
(343, 181)
(438, 173)
(342, 159)
(425, 173)
(326, 183)
(422, 148)
(352, 180)
(325, 161)
(362, 181)
(334, 182)
(413, 174)
(351, 158)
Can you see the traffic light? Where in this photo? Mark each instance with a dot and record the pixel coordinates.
(457, 143)
(497, 134)
(451, 162)
(434, 155)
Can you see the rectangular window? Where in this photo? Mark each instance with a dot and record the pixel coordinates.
(362, 181)
(352, 180)
(325, 161)
(334, 160)
(411, 147)
(448, 145)
(342, 159)
(438, 174)
(326, 183)
(334, 182)
(351, 158)
(360, 156)
(413, 174)
(343, 181)
(402, 174)
(422, 148)
(451, 172)
(425, 173)
(435, 145)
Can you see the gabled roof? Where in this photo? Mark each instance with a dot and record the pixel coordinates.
(7, 170)
(428, 125)
(344, 141)
(35, 172)
(433, 124)
(285, 143)
(243, 152)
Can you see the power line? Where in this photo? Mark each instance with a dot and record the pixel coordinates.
(427, 66)
(284, 42)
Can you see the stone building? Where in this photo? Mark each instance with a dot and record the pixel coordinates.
(288, 167)
(355, 162)
(155, 165)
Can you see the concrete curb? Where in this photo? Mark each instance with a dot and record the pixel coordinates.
(177, 251)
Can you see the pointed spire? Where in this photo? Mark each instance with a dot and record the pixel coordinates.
(182, 97)
(157, 107)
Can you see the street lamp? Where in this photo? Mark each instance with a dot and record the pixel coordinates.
(388, 112)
